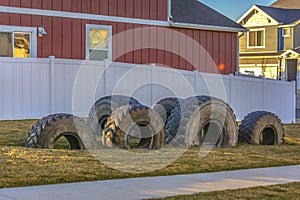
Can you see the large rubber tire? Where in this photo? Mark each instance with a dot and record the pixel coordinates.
(103, 108)
(172, 126)
(261, 127)
(134, 120)
(205, 119)
(46, 131)
(165, 106)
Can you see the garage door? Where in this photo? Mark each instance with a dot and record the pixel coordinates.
(292, 69)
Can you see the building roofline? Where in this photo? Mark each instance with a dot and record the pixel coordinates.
(289, 51)
(205, 27)
(256, 8)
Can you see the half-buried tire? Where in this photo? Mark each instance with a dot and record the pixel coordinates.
(48, 130)
(103, 108)
(261, 127)
(206, 120)
(134, 127)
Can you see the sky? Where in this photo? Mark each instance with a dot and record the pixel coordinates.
(234, 9)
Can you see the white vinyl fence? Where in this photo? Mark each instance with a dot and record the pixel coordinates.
(32, 88)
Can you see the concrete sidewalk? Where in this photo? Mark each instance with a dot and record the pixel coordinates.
(154, 187)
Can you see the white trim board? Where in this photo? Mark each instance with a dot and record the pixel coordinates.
(206, 27)
(73, 15)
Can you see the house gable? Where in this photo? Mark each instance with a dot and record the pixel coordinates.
(256, 17)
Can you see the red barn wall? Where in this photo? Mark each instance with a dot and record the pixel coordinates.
(66, 37)
(144, 9)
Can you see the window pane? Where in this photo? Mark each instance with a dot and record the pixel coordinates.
(260, 38)
(22, 45)
(252, 38)
(98, 55)
(98, 39)
(5, 44)
(286, 31)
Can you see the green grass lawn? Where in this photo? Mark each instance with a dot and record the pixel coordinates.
(20, 166)
(277, 192)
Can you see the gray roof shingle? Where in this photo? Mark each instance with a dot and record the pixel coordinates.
(195, 12)
(282, 15)
(297, 50)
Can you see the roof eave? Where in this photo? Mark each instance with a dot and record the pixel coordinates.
(206, 27)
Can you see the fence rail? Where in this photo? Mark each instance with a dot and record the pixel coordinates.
(32, 88)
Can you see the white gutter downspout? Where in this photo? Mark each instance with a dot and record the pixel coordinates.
(169, 10)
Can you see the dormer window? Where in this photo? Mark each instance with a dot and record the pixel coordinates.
(256, 38)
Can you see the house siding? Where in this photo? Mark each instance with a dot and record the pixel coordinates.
(256, 61)
(144, 9)
(271, 40)
(289, 41)
(66, 38)
(297, 36)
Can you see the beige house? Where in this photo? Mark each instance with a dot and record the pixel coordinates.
(271, 46)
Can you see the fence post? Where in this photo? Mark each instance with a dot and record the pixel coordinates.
(152, 66)
(105, 75)
(264, 96)
(52, 84)
(294, 97)
(196, 73)
(230, 95)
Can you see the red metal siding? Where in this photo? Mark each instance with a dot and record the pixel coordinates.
(202, 57)
(4, 17)
(228, 53)
(129, 38)
(222, 53)
(137, 35)
(209, 49)
(175, 47)
(151, 9)
(189, 49)
(104, 7)
(76, 39)
(67, 38)
(167, 42)
(161, 46)
(172, 47)
(15, 19)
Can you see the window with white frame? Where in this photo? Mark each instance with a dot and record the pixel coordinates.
(18, 42)
(256, 38)
(286, 32)
(98, 42)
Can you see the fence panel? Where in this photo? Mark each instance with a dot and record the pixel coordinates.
(32, 88)
(24, 88)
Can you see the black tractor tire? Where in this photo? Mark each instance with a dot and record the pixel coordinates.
(261, 127)
(134, 120)
(206, 120)
(46, 132)
(172, 126)
(103, 108)
(165, 106)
